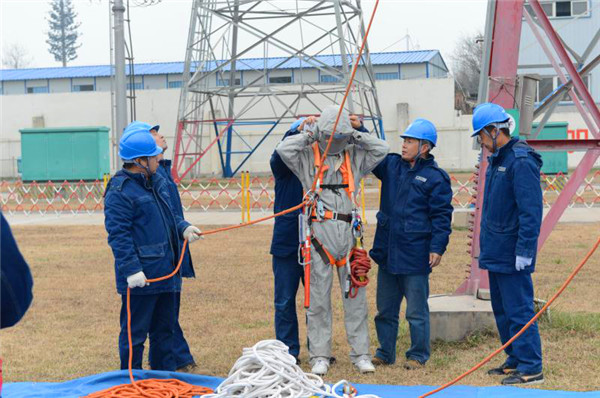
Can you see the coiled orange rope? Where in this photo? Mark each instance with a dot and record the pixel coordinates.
(360, 265)
(531, 322)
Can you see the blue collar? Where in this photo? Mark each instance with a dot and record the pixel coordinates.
(501, 152)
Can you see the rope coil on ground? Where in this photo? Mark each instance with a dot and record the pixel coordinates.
(153, 388)
(268, 370)
(165, 388)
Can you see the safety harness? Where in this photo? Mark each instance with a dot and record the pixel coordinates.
(357, 262)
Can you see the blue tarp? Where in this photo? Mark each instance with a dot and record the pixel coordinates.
(89, 384)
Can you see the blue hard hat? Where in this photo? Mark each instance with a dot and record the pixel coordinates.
(136, 124)
(486, 114)
(421, 129)
(297, 124)
(137, 142)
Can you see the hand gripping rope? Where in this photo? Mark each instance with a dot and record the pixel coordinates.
(166, 388)
(531, 322)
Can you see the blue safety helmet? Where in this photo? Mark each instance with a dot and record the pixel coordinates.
(421, 129)
(297, 124)
(135, 124)
(137, 142)
(486, 114)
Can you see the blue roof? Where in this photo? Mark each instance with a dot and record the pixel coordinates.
(161, 68)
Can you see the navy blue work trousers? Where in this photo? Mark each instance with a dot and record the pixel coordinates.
(154, 314)
(391, 289)
(512, 303)
(181, 349)
(288, 273)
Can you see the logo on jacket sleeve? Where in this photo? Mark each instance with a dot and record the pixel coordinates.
(501, 169)
(422, 179)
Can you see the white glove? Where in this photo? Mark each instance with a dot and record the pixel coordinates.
(311, 130)
(137, 280)
(192, 234)
(523, 262)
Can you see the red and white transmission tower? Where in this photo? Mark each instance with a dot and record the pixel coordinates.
(251, 65)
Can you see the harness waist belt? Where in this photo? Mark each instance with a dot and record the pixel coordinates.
(334, 186)
(332, 215)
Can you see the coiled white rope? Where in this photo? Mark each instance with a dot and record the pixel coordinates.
(268, 370)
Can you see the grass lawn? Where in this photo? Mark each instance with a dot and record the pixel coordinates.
(72, 327)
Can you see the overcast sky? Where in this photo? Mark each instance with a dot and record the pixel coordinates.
(160, 31)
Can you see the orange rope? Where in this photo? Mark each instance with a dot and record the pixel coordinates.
(348, 87)
(151, 388)
(164, 388)
(324, 156)
(531, 322)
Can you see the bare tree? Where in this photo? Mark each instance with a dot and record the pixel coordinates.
(466, 64)
(15, 56)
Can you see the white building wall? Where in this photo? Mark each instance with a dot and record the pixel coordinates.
(60, 85)
(11, 88)
(429, 98)
(155, 82)
(103, 84)
(413, 71)
(575, 32)
(36, 83)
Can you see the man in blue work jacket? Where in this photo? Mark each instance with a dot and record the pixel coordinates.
(184, 360)
(413, 230)
(16, 282)
(287, 270)
(510, 226)
(146, 236)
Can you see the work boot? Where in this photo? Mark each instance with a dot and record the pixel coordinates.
(380, 362)
(522, 379)
(189, 368)
(412, 364)
(503, 370)
(365, 366)
(320, 367)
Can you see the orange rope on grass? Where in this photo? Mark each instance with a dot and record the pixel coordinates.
(167, 388)
(531, 322)
(151, 388)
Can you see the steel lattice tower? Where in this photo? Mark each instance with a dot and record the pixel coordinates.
(234, 46)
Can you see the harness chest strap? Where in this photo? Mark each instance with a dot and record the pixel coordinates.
(345, 169)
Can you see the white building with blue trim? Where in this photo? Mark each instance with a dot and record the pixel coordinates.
(410, 84)
(168, 75)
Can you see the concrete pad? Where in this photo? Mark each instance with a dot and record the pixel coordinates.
(455, 317)
(461, 217)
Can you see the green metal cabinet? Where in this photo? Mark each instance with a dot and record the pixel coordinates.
(70, 153)
(554, 162)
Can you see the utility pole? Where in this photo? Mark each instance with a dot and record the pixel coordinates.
(120, 89)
